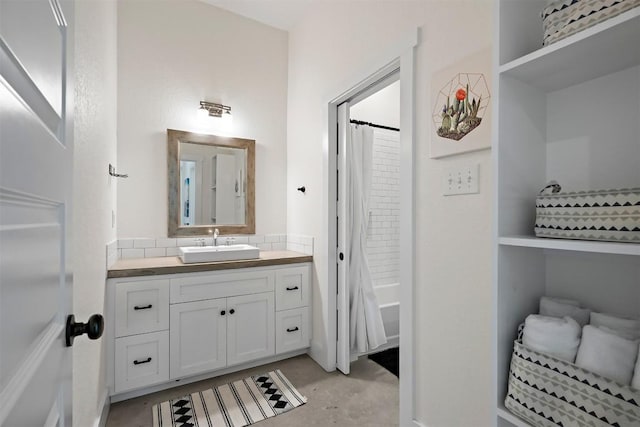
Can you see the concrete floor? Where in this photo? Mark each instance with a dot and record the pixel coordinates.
(367, 397)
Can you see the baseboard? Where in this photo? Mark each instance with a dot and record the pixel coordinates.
(105, 404)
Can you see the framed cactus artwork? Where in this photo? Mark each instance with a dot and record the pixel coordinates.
(461, 116)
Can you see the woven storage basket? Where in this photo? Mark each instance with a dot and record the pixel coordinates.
(546, 391)
(612, 215)
(564, 18)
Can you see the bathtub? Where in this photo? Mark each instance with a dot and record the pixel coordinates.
(389, 301)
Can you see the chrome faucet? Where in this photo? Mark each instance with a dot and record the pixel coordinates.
(216, 233)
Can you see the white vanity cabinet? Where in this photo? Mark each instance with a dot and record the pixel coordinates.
(190, 326)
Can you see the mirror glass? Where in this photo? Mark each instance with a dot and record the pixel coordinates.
(211, 184)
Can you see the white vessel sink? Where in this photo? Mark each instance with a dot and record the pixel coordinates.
(191, 254)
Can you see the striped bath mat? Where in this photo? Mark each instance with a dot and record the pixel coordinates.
(236, 404)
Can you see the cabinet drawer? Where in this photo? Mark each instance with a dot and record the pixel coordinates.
(141, 360)
(292, 287)
(141, 307)
(292, 330)
(221, 285)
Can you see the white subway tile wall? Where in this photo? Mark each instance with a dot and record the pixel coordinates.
(173, 251)
(125, 243)
(155, 252)
(383, 240)
(112, 253)
(132, 253)
(148, 248)
(144, 243)
(297, 243)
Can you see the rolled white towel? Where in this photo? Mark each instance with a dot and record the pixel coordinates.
(635, 381)
(557, 307)
(625, 327)
(607, 354)
(557, 337)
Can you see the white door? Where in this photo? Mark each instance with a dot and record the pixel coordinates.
(343, 356)
(35, 203)
(198, 337)
(251, 327)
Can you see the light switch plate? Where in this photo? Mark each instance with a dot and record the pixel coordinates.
(460, 180)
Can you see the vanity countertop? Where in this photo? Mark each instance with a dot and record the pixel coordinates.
(171, 265)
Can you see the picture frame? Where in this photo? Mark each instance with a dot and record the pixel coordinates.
(461, 100)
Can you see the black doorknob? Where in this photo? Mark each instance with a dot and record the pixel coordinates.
(93, 328)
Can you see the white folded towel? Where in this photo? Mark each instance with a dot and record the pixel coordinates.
(557, 307)
(557, 337)
(635, 382)
(625, 327)
(607, 354)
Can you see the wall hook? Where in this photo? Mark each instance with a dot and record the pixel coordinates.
(112, 172)
(302, 189)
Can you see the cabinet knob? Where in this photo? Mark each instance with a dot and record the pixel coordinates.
(222, 313)
(232, 311)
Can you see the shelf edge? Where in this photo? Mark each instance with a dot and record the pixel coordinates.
(503, 413)
(565, 43)
(572, 245)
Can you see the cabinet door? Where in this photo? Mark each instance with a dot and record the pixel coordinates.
(251, 327)
(198, 337)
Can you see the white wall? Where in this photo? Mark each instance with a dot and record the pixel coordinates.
(453, 300)
(94, 192)
(173, 54)
(381, 108)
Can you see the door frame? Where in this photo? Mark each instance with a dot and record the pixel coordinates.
(402, 57)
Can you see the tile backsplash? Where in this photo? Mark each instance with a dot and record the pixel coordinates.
(148, 247)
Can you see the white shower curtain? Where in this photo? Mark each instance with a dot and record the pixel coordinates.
(366, 327)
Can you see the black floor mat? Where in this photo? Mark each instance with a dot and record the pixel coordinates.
(388, 359)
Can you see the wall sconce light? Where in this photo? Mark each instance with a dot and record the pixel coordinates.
(210, 109)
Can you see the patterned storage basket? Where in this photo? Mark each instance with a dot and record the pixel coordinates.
(546, 391)
(563, 18)
(612, 215)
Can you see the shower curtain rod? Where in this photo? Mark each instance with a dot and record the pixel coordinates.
(373, 125)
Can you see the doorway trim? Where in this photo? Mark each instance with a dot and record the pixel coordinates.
(402, 57)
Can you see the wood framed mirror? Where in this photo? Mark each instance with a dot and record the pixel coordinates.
(211, 184)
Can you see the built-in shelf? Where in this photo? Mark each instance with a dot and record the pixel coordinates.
(602, 49)
(572, 245)
(512, 419)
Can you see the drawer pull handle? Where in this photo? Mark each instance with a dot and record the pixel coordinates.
(140, 362)
(292, 288)
(292, 329)
(145, 307)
